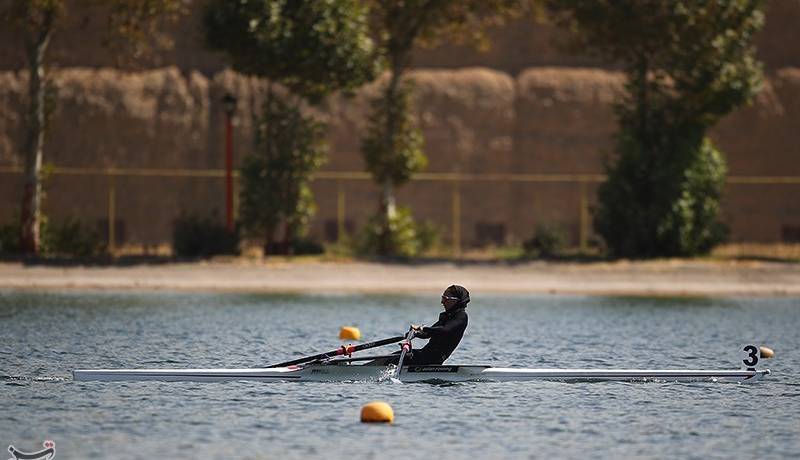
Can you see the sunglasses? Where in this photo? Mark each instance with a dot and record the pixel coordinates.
(447, 297)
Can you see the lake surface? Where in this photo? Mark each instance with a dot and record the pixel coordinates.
(44, 336)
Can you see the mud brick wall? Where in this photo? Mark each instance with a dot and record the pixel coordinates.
(553, 123)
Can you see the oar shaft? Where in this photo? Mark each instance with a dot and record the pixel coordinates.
(360, 358)
(341, 351)
(406, 347)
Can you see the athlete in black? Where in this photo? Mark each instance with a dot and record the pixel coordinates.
(446, 333)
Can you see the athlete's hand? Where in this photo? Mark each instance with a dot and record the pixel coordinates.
(416, 328)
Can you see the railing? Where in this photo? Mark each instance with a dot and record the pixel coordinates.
(582, 180)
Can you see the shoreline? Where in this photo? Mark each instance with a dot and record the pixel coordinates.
(670, 278)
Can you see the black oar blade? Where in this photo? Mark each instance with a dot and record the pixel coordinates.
(340, 351)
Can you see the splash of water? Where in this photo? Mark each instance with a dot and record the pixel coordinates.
(388, 374)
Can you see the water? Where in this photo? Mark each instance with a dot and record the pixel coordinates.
(44, 336)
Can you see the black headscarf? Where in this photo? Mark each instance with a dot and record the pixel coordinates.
(461, 292)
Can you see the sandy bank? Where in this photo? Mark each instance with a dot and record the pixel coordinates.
(663, 278)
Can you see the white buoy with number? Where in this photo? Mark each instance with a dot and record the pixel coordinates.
(755, 353)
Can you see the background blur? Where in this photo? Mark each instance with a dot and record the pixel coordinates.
(515, 136)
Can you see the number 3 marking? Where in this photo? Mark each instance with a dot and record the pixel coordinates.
(752, 355)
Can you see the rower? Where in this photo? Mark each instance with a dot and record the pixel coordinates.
(445, 334)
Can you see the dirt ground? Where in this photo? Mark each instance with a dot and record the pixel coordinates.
(661, 278)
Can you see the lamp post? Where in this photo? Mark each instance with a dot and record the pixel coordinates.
(229, 105)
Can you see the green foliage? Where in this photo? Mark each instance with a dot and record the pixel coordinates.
(306, 246)
(393, 150)
(428, 236)
(403, 25)
(196, 236)
(673, 213)
(9, 238)
(698, 55)
(688, 63)
(312, 47)
(70, 237)
(275, 179)
(547, 241)
(404, 238)
(31, 16)
(298, 246)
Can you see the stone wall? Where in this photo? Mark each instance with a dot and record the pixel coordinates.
(547, 122)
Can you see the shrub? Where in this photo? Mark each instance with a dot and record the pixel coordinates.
(306, 246)
(406, 238)
(9, 238)
(428, 235)
(70, 237)
(194, 236)
(297, 246)
(547, 241)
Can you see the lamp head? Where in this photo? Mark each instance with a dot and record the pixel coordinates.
(229, 103)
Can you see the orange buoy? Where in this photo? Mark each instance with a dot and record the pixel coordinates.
(377, 412)
(349, 333)
(766, 352)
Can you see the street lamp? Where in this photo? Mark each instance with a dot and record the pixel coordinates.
(229, 106)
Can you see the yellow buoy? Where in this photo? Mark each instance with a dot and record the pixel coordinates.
(349, 333)
(766, 352)
(377, 412)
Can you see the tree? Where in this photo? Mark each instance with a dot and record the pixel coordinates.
(687, 64)
(37, 21)
(393, 146)
(275, 180)
(312, 48)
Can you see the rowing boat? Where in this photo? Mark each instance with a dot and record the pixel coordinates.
(331, 366)
(433, 373)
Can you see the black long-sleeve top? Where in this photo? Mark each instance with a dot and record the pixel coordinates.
(445, 335)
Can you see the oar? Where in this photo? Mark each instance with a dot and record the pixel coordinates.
(343, 350)
(405, 348)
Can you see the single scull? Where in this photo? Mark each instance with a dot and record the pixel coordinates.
(331, 367)
(440, 373)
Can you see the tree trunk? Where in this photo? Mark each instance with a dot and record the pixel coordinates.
(31, 213)
(387, 202)
(388, 205)
(288, 239)
(269, 239)
(387, 199)
(643, 101)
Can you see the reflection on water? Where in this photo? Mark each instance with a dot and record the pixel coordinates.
(44, 336)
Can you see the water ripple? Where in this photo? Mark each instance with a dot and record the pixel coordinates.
(448, 420)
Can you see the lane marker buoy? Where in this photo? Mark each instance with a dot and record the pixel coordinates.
(377, 412)
(349, 333)
(766, 352)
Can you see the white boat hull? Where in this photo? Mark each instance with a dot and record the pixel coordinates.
(338, 373)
